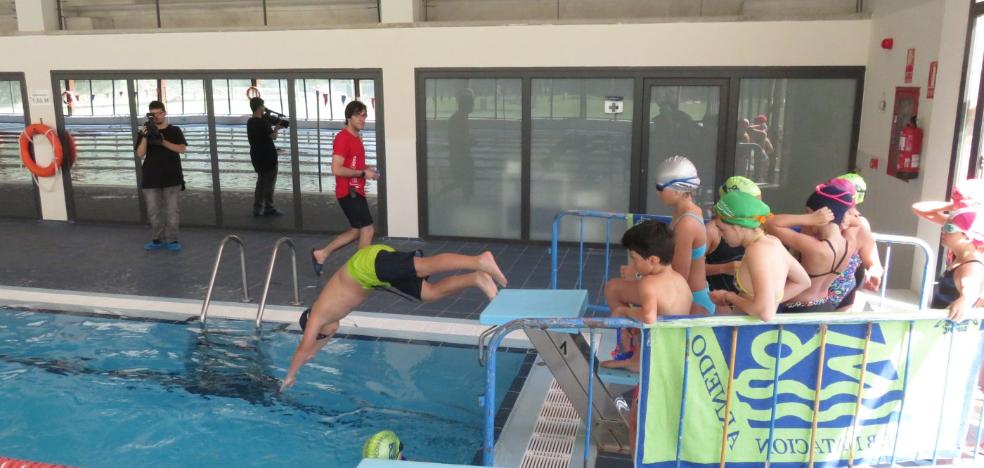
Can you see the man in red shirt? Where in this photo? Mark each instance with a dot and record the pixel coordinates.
(348, 163)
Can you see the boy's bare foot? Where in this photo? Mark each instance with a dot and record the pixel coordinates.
(488, 265)
(486, 284)
(319, 255)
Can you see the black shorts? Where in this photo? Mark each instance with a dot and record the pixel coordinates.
(396, 268)
(356, 209)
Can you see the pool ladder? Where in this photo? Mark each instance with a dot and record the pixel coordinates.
(266, 285)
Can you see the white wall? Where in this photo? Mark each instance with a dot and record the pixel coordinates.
(399, 50)
(936, 29)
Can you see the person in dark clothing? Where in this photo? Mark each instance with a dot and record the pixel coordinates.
(263, 155)
(162, 180)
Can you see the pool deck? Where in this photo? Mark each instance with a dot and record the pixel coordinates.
(110, 259)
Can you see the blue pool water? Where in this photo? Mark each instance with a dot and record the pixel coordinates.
(90, 391)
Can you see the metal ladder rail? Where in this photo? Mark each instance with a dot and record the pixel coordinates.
(215, 272)
(269, 276)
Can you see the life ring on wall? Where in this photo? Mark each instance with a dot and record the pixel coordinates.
(70, 150)
(252, 92)
(27, 155)
(67, 98)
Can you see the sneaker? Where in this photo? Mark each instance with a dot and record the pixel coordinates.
(272, 212)
(154, 245)
(257, 212)
(174, 246)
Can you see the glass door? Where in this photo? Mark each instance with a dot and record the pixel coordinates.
(683, 118)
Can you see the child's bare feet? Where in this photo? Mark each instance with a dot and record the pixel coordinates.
(486, 284)
(488, 265)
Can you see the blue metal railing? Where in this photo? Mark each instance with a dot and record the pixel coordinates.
(926, 282)
(821, 320)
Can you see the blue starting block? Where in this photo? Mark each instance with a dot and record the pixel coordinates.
(370, 463)
(512, 304)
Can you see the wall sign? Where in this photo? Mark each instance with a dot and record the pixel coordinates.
(931, 82)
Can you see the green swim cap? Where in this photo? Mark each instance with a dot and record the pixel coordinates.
(740, 184)
(384, 445)
(742, 209)
(860, 186)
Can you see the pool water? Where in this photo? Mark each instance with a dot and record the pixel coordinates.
(91, 391)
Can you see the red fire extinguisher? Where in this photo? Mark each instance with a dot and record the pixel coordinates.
(910, 149)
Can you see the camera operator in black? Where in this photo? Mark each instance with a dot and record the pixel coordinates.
(161, 176)
(263, 154)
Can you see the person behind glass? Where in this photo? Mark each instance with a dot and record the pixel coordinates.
(263, 155)
(161, 176)
(460, 143)
(348, 163)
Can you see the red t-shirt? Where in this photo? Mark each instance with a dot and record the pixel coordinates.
(350, 147)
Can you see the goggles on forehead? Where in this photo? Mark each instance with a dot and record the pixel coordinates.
(950, 228)
(661, 187)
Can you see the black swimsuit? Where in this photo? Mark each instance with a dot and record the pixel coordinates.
(724, 253)
(946, 289)
(822, 304)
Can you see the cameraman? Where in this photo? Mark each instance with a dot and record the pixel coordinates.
(263, 155)
(162, 178)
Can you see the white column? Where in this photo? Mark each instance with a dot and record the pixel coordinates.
(50, 189)
(401, 11)
(37, 15)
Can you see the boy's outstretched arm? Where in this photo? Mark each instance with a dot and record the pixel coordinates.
(306, 349)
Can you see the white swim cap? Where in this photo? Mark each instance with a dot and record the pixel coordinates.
(677, 173)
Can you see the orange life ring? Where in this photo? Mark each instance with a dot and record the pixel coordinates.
(70, 150)
(27, 157)
(252, 92)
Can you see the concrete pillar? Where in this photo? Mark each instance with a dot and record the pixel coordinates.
(40, 104)
(401, 11)
(37, 15)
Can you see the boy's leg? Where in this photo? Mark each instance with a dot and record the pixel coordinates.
(440, 263)
(433, 292)
(338, 242)
(365, 235)
(622, 293)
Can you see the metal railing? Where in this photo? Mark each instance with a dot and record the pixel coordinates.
(823, 322)
(269, 276)
(926, 283)
(215, 273)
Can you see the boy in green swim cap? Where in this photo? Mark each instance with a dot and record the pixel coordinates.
(381, 266)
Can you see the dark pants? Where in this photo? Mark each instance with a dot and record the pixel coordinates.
(263, 196)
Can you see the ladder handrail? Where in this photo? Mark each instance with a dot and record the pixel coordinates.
(215, 273)
(269, 276)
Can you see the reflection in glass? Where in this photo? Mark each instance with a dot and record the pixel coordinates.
(473, 157)
(321, 115)
(16, 185)
(792, 135)
(104, 179)
(580, 152)
(683, 121)
(236, 175)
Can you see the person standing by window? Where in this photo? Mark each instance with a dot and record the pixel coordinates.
(160, 145)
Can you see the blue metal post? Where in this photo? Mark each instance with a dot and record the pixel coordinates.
(580, 257)
(946, 378)
(775, 395)
(683, 395)
(554, 243)
(905, 387)
(590, 409)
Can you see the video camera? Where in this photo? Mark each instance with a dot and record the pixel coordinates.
(276, 118)
(153, 134)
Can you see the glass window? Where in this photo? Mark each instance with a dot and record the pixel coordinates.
(237, 178)
(16, 184)
(474, 161)
(792, 135)
(580, 153)
(683, 121)
(104, 178)
(971, 99)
